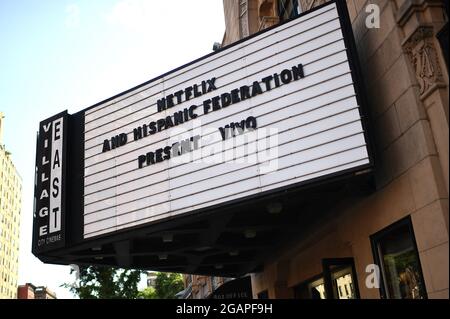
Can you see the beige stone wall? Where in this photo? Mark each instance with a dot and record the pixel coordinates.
(241, 19)
(231, 11)
(409, 119)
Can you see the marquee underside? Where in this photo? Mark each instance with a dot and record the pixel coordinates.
(229, 242)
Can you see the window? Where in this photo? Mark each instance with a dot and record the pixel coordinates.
(311, 289)
(288, 9)
(338, 281)
(395, 252)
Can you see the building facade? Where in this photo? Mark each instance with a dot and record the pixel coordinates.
(30, 291)
(392, 242)
(43, 293)
(356, 203)
(10, 208)
(151, 279)
(26, 291)
(201, 287)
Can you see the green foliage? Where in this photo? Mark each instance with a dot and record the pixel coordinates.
(148, 293)
(167, 285)
(98, 282)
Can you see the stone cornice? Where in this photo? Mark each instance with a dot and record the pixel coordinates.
(411, 7)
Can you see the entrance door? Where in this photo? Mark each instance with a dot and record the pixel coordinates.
(340, 278)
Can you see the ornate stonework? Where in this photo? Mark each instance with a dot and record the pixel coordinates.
(423, 56)
(309, 4)
(243, 18)
(267, 14)
(266, 22)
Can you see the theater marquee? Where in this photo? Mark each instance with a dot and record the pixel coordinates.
(278, 110)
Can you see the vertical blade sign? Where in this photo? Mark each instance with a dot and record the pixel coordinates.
(49, 195)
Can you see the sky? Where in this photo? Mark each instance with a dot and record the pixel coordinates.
(68, 55)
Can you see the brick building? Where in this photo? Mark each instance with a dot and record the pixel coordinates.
(30, 291)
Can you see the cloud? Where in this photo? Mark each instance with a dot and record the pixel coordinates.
(72, 20)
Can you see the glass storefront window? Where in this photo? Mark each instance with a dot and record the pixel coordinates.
(396, 254)
(317, 289)
(343, 281)
(340, 278)
(313, 289)
(338, 275)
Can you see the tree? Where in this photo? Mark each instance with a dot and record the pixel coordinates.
(167, 285)
(100, 282)
(148, 293)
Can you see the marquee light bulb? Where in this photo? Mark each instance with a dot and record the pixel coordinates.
(274, 208)
(162, 257)
(167, 238)
(250, 233)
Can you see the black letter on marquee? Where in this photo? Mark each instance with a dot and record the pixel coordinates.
(167, 152)
(141, 160)
(169, 122)
(115, 141)
(150, 157)
(152, 127)
(256, 89)
(57, 131)
(178, 118)
(245, 92)
(267, 80)
(250, 123)
(161, 104)
(203, 87)
(137, 133)
(55, 187)
(276, 77)
(123, 139)
(224, 131)
(160, 123)
(298, 72)
(170, 101)
(196, 91)
(206, 106)
(158, 155)
(225, 99)
(145, 129)
(215, 103)
(286, 76)
(235, 96)
(188, 92)
(56, 160)
(178, 94)
(192, 115)
(106, 146)
(211, 84)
